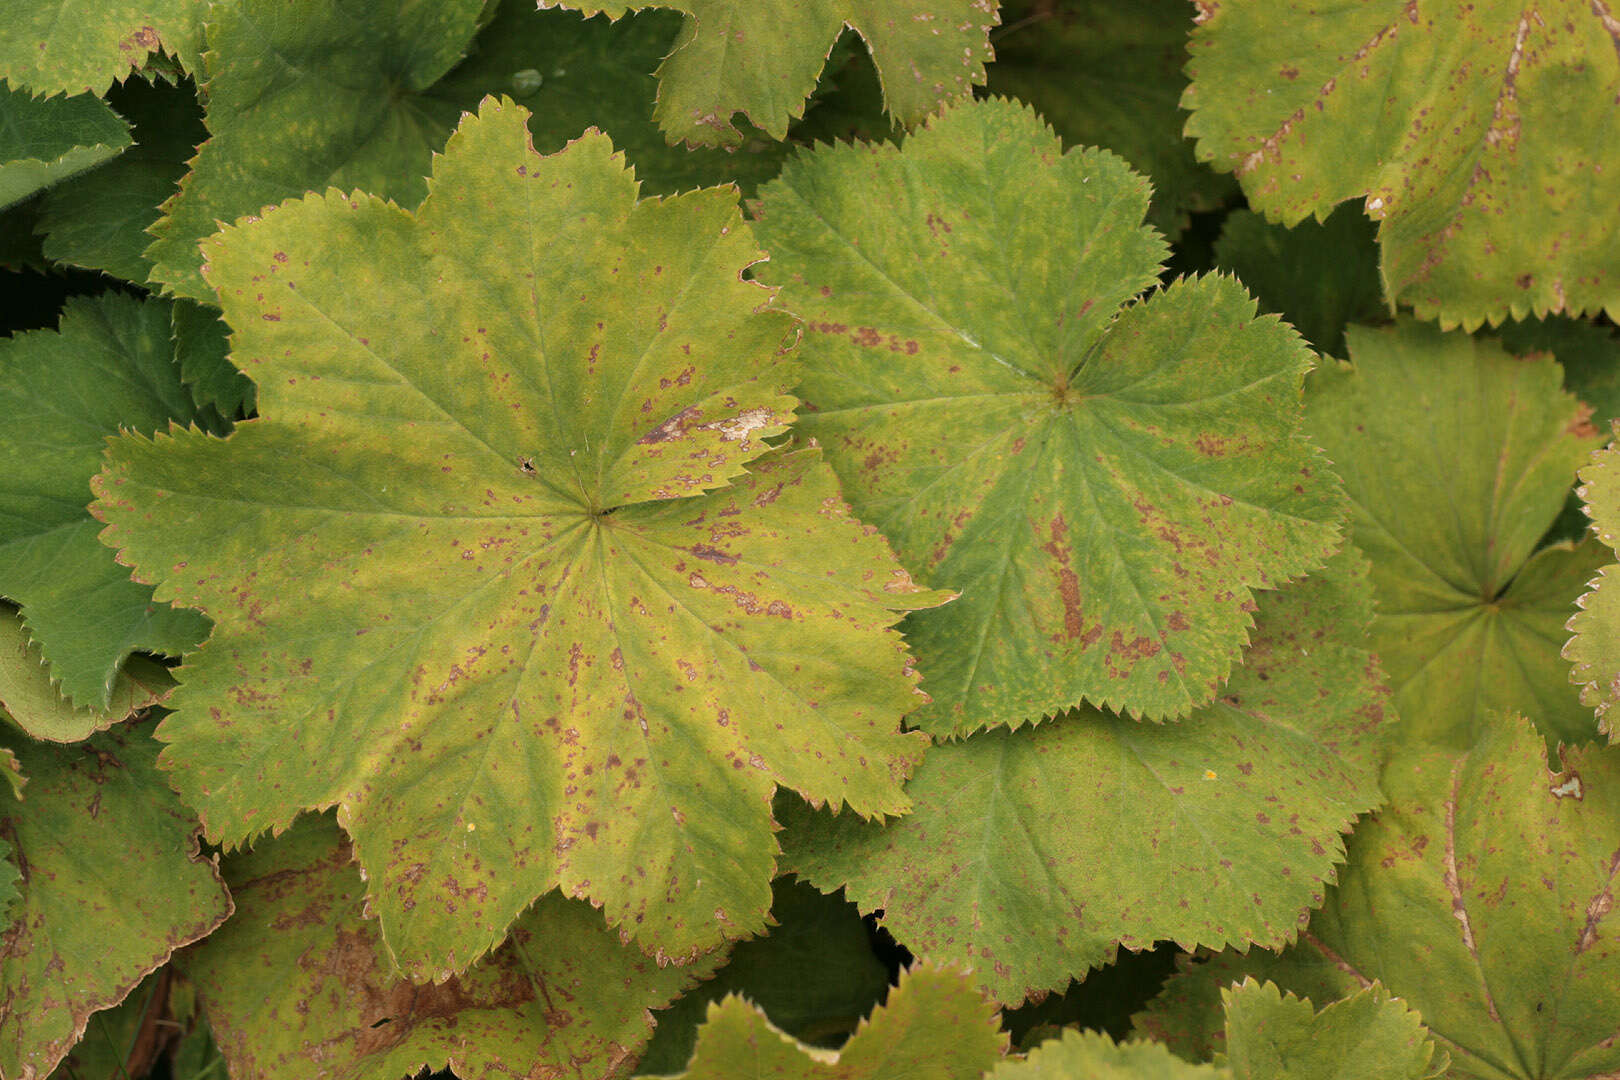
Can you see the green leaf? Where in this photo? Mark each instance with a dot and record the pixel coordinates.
(934, 1026)
(1457, 458)
(99, 220)
(43, 141)
(1369, 1036)
(814, 975)
(28, 698)
(1033, 855)
(109, 368)
(300, 983)
(1092, 1055)
(202, 349)
(111, 884)
(761, 59)
(62, 46)
(1502, 871)
(127, 1041)
(1594, 648)
(1108, 73)
(468, 583)
(359, 95)
(1320, 276)
(1480, 135)
(1106, 488)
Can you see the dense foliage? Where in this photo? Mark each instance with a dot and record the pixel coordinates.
(809, 538)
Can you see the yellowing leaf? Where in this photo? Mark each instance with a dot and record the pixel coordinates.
(1105, 487)
(507, 569)
(29, 699)
(63, 46)
(1481, 136)
(300, 984)
(761, 57)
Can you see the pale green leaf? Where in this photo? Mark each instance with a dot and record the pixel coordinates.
(1105, 488)
(99, 220)
(1091, 1055)
(1594, 648)
(468, 582)
(1502, 870)
(934, 1026)
(1457, 458)
(1480, 135)
(1320, 276)
(814, 975)
(65, 46)
(1108, 73)
(43, 141)
(299, 983)
(1034, 855)
(28, 698)
(761, 58)
(1367, 1036)
(110, 367)
(111, 884)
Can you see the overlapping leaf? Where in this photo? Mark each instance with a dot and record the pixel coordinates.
(359, 94)
(1106, 489)
(1481, 136)
(761, 57)
(300, 984)
(1594, 648)
(1502, 871)
(1457, 458)
(1108, 73)
(29, 700)
(46, 140)
(489, 573)
(99, 220)
(111, 884)
(934, 1026)
(63, 46)
(110, 367)
(1033, 855)
(814, 975)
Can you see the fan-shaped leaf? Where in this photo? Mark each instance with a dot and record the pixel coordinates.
(1106, 489)
(761, 57)
(109, 368)
(934, 1026)
(1370, 1036)
(1032, 855)
(1502, 870)
(300, 983)
(1481, 136)
(468, 583)
(1457, 458)
(111, 884)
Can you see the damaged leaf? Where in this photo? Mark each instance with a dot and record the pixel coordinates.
(1032, 856)
(63, 46)
(1457, 457)
(1480, 135)
(299, 983)
(761, 58)
(1106, 488)
(110, 883)
(110, 367)
(1501, 864)
(1594, 647)
(513, 577)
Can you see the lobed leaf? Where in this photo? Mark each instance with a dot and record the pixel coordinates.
(301, 984)
(934, 1026)
(1031, 856)
(110, 885)
(1106, 488)
(110, 367)
(30, 700)
(512, 575)
(1480, 136)
(761, 57)
(61, 46)
(1094, 1056)
(1369, 1035)
(1501, 866)
(1457, 457)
